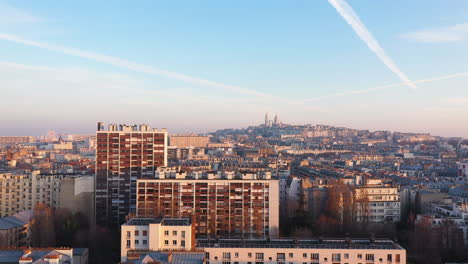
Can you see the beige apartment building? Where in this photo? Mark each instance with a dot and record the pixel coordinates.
(22, 191)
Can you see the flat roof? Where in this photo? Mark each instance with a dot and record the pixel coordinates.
(291, 243)
(143, 221)
(160, 220)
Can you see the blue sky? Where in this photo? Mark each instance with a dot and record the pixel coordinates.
(229, 62)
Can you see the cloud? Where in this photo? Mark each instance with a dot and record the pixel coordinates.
(440, 34)
(384, 87)
(122, 63)
(347, 12)
(11, 15)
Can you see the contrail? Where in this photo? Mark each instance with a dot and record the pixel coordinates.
(347, 12)
(378, 88)
(122, 63)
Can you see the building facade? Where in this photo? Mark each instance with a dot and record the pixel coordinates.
(168, 249)
(186, 141)
(463, 171)
(123, 155)
(23, 191)
(316, 251)
(227, 204)
(378, 204)
(156, 234)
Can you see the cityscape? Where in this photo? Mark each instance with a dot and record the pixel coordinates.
(267, 193)
(234, 132)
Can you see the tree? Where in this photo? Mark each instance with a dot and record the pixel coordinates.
(43, 227)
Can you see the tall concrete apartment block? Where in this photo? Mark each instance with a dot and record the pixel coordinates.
(223, 204)
(123, 155)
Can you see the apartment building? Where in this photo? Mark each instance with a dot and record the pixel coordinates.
(378, 203)
(156, 234)
(223, 203)
(316, 251)
(123, 155)
(22, 191)
(247, 251)
(14, 230)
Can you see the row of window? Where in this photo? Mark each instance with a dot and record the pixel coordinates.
(313, 256)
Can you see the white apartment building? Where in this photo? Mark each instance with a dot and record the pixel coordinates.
(156, 234)
(379, 203)
(22, 191)
(247, 251)
(232, 251)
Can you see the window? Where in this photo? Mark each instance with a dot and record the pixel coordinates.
(182, 243)
(397, 257)
(304, 255)
(291, 255)
(174, 233)
(166, 242)
(346, 255)
(129, 234)
(145, 242)
(137, 242)
(249, 254)
(380, 260)
(174, 242)
(359, 256)
(370, 257)
(336, 257)
(236, 254)
(389, 257)
(315, 256)
(226, 255)
(128, 243)
(166, 233)
(259, 256)
(137, 233)
(207, 255)
(280, 256)
(226, 262)
(183, 234)
(145, 233)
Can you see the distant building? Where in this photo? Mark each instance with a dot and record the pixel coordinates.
(123, 155)
(13, 140)
(225, 203)
(185, 141)
(463, 171)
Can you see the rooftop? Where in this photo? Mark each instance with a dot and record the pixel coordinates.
(291, 243)
(162, 221)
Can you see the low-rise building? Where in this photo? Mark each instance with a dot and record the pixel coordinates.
(44, 256)
(160, 247)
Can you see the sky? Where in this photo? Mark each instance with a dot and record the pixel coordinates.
(199, 66)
